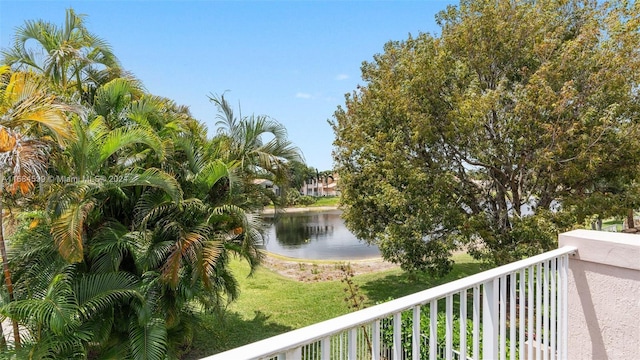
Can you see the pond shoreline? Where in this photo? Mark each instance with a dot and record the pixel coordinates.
(305, 270)
(313, 233)
(290, 210)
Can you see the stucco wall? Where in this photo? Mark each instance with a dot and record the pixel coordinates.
(604, 295)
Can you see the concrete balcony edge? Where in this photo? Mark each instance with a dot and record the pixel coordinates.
(614, 249)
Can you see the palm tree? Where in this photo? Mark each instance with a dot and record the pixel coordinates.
(243, 141)
(66, 312)
(70, 56)
(92, 223)
(24, 101)
(178, 249)
(213, 225)
(92, 156)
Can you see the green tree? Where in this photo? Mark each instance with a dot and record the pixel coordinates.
(25, 103)
(70, 56)
(260, 146)
(92, 228)
(495, 134)
(121, 211)
(258, 143)
(299, 173)
(119, 217)
(92, 180)
(143, 213)
(63, 310)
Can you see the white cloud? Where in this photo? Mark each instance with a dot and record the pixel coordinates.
(302, 95)
(342, 77)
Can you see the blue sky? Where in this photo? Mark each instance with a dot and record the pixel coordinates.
(290, 60)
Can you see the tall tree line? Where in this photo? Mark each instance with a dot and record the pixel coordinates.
(123, 213)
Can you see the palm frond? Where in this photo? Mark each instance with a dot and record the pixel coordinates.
(208, 262)
(67, 230)
(26, 100)
(154, 255)
(151, 205)
(186, 247)
(66, 196)
(97, 292)
(122, 137)
(140, 111)
(35, 260)
(109, 246)
(211, 173)
(245, 243)
(194, 157)
(113, 97)
(151, 177)
(148, 341)
(56, 310)
(225, 116)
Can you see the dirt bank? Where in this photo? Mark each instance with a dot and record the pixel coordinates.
(313, 271)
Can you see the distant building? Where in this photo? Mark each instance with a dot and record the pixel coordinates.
(322, 186)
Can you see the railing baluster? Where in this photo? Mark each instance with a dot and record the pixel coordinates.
(463, 324)
(433, 329)
(352, 343)
(358, 343)
(530, 321)
(345, 345)
(554, 300)
(503, 318)
(490, 319)
(538, 311)
(565, 311)
(476, 322)
(522, 295)
(375, 341)
(365, 349)
(362, 347)
(294, 354)
(449, 328)
(512, 316)
(397, 336)
(325, 348)
(545, 312)
(415, 340)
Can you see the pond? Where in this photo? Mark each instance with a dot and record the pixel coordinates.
(315, 235)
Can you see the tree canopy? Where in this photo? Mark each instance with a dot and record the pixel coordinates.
(519, 121)
(137, 211)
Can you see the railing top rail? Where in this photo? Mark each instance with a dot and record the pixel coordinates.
(279, 343)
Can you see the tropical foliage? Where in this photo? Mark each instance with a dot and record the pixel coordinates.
(518, 121)
(241, 140)
(73, 59)
(124, 213)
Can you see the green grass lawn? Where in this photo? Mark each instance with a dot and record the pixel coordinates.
(613, 222)
(270, 304)
(326, 201)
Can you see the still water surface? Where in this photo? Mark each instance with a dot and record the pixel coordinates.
(316, 235)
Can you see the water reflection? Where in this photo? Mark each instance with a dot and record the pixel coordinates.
(298, 229)
(316, 235)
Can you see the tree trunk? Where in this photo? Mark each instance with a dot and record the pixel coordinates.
(630, 222)
(7, 275)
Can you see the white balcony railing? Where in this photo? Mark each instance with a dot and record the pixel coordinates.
(516, 311)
